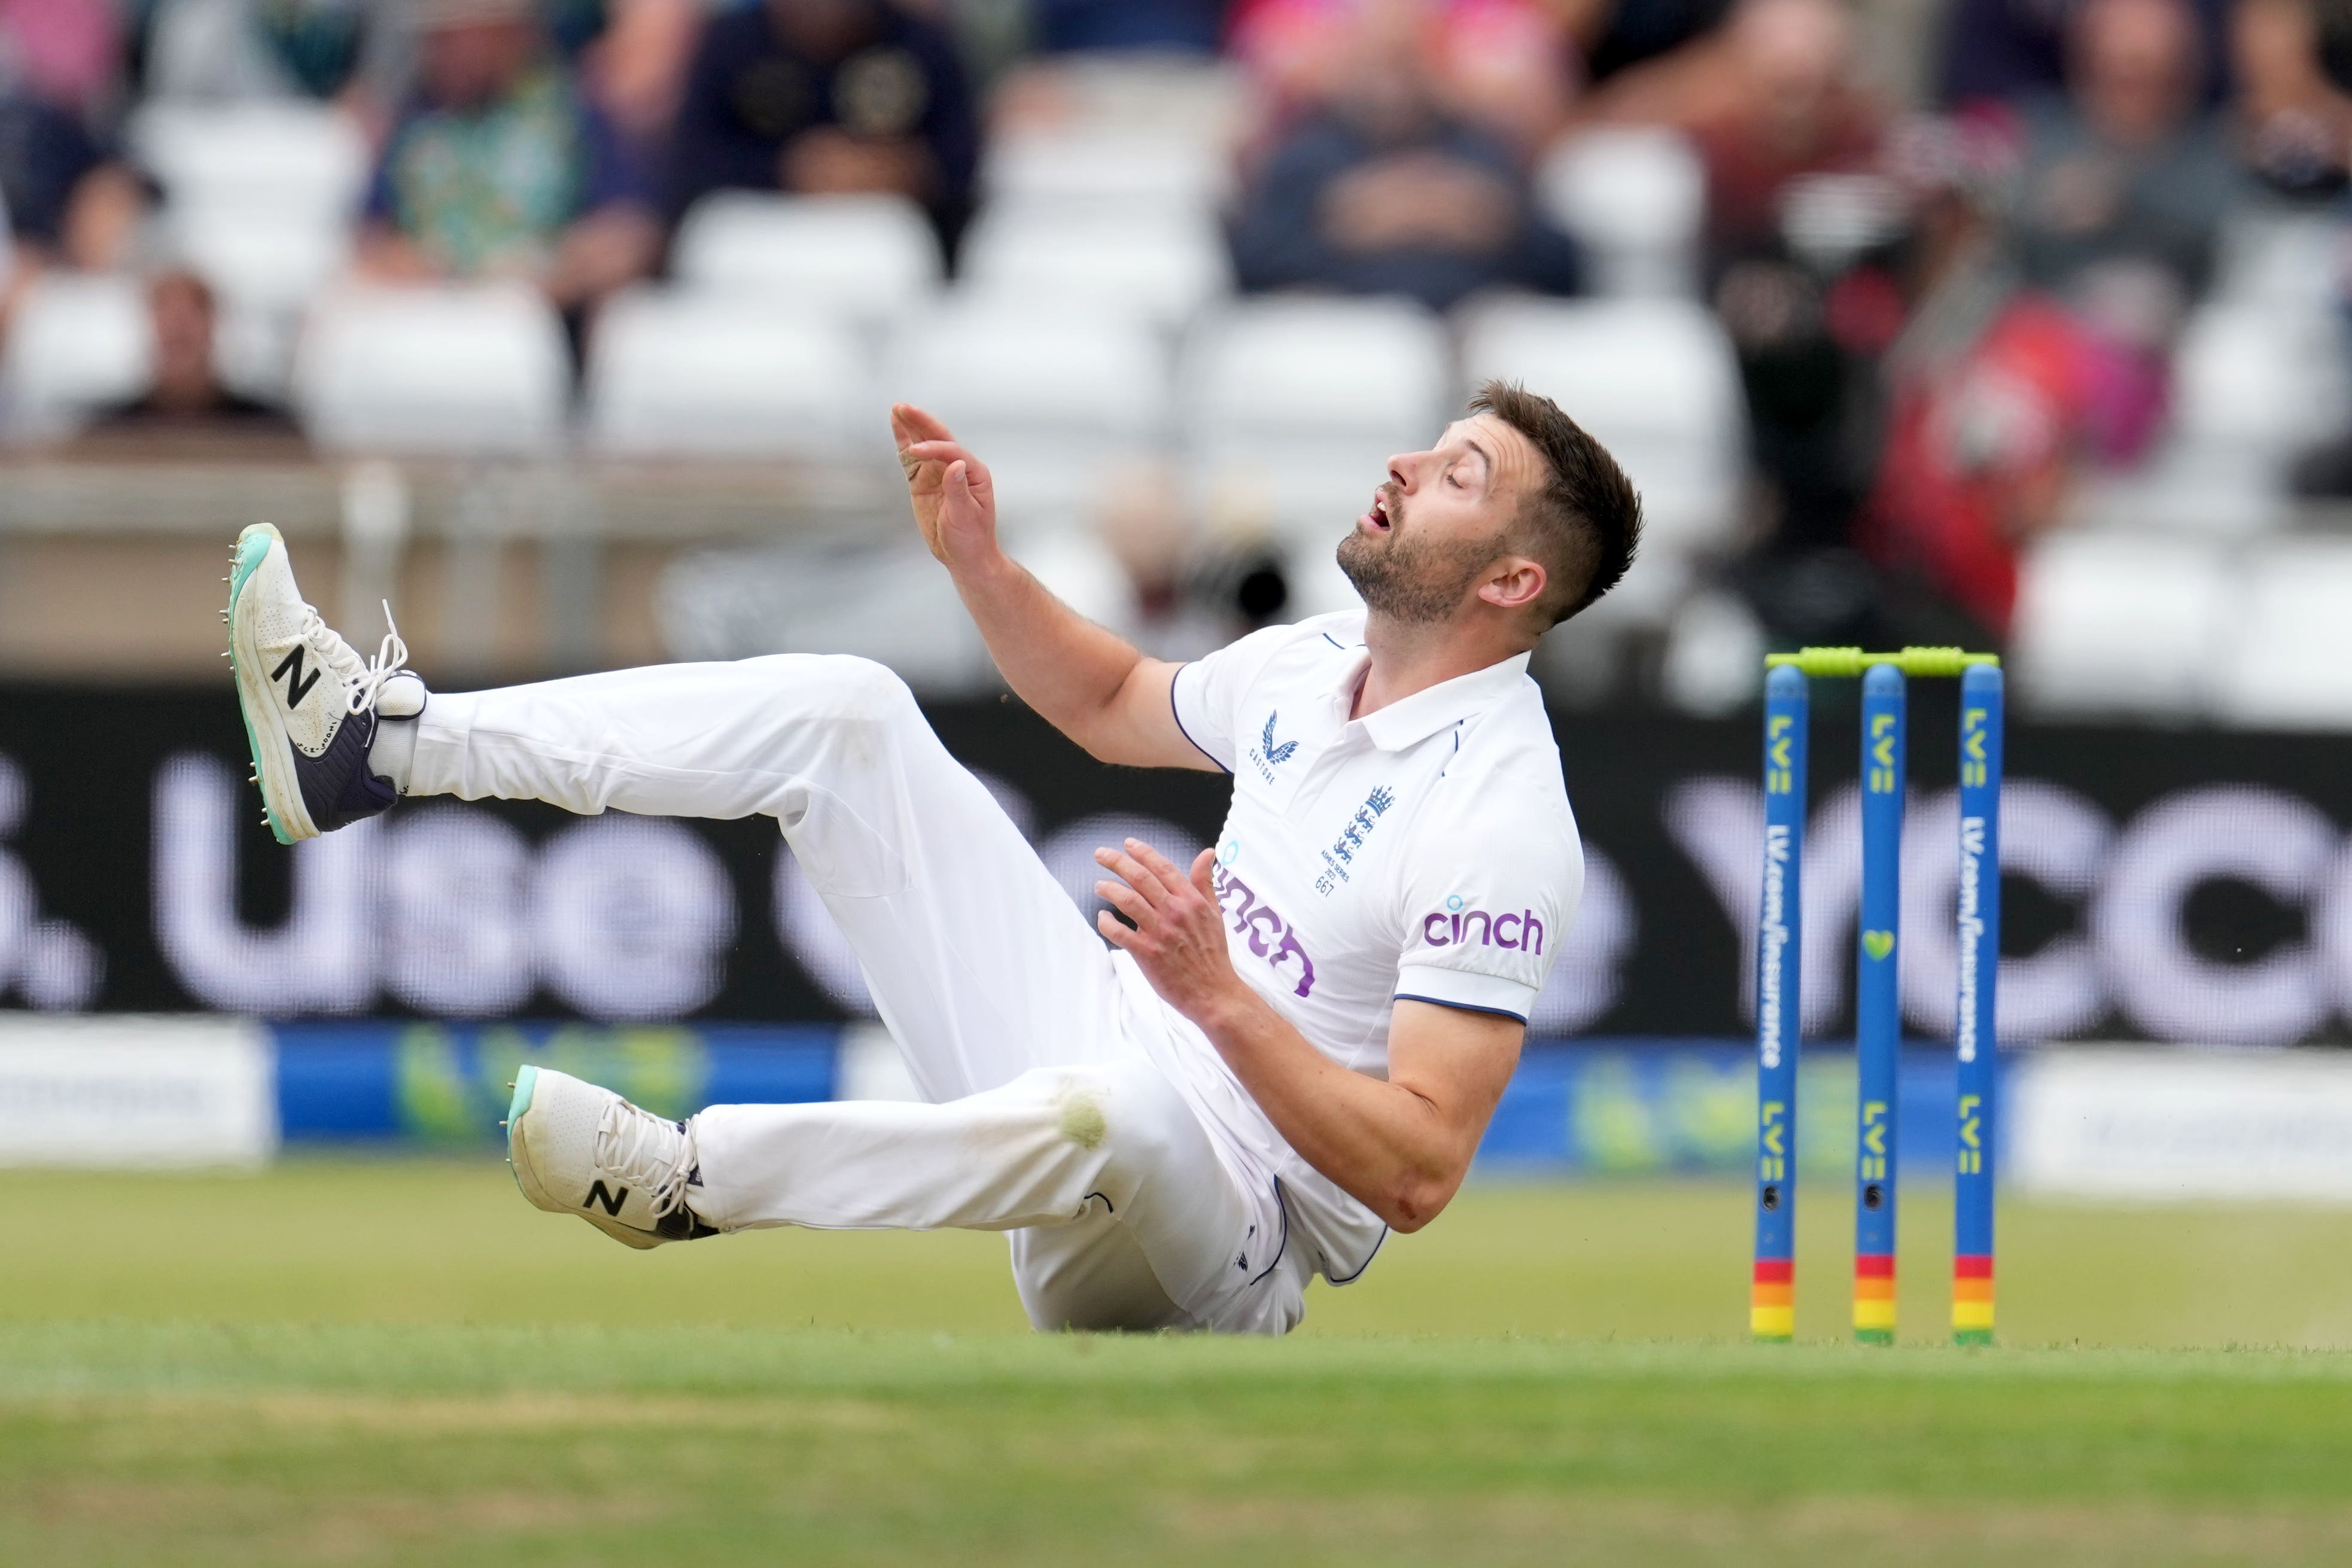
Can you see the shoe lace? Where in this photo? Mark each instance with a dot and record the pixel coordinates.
(646, 1152)
(362, 679)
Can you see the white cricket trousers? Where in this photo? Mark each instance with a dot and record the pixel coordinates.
(1047, 1117)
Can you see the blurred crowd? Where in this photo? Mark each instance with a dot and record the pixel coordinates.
(1953, 247)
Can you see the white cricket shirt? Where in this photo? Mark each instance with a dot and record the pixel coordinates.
(1425, 851)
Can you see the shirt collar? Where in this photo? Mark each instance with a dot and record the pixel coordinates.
(1433, 708)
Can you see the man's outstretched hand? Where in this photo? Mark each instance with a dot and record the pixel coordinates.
(955, 500)
(1178, 937)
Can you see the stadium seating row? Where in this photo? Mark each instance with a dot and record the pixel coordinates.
(1309, 395)
(2181, 630)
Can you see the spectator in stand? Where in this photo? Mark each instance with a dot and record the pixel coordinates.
(2125, 179)
(187, 398)
(636, 68)
(2001, 53)
(1194, 26)
(65, 52)
(1506, 66)
(2293, 61)
(1994, 397)
(1790, 108)
(828, 96)
(501, 168)
(69, 201)
(1379, 190)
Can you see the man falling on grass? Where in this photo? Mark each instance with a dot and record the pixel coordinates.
(1292, 1050)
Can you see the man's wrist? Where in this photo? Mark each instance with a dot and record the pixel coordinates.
(1228, 1015)
(990, 569)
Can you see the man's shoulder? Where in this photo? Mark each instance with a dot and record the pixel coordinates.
(1339, 633)
(1339, 628)
(1508, 764)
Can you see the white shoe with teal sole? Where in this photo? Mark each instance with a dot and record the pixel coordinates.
(579, 1149)
(309, 700)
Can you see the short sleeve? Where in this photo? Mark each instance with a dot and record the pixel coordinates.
(1209, 691)
(1487, 893)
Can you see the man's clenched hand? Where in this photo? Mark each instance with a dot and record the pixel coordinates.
(1178, 937)
(955, 499)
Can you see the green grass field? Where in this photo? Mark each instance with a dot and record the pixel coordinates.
(399, 1362)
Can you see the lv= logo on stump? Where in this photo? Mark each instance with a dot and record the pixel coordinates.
(1878, 1022)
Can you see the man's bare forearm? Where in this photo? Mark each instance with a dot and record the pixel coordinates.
(1385, 1146)
(1073, 671)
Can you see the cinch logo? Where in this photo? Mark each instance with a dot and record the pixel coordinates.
(1270, 937)
(1522, 931)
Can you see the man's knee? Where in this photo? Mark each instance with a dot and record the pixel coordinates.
(838, 685)
(1130, 1117)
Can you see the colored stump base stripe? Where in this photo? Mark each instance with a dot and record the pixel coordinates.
(1874, 1298)
(1972, 1299)
(1772, 1299)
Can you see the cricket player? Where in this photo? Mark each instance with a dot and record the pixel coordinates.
(1286, 1050)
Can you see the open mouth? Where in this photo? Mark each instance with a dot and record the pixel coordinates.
(1378, 520)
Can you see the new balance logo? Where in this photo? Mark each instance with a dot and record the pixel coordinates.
(602, 1193)
(298, 685)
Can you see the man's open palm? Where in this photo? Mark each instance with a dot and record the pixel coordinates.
(954, 498)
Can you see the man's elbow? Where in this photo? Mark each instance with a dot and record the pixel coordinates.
(1415, 1203)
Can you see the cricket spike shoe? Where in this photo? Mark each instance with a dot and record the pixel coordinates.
(310, 700)
(578, 1149)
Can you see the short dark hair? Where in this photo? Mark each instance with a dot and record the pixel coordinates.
(1584, 523)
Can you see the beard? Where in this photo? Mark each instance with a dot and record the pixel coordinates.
(1410, 580)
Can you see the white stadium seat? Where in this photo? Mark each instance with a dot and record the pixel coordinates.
(2286, 260)
(1634, 198)
(465, 372)
(2251, 386)
(2111, 624)
(259, 199)
(2258, 377)
(1655, 380)
(1293, 406)
(675, 372)
(1140, 170)
(2289, 663)
(871, 258)
(1052, 399)
(1163, 266)
(77, 342)
(262, 259)
(280, 155)
(1135, 93)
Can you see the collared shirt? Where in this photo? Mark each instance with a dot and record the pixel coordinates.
(1424, 852)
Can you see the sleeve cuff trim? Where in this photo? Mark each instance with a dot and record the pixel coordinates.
(1467, 987)
(1459, 1007)
(1176, 711)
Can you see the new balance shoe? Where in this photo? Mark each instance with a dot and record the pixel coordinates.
(310, 700)
(578, 1149)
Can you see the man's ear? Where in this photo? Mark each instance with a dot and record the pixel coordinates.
(1514, 582)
